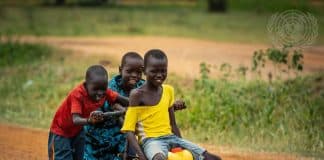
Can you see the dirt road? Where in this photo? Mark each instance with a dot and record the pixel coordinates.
(18, 143)
(184, 54)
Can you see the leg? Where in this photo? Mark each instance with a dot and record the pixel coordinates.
(198, 152)
(130, 152)
(155, 149)
(59, 148)
(50, 146)
(78, 144)
(159, 156)
(209, 156)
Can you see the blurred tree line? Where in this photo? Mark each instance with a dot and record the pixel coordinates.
(83, 2)
(213, 5)
(217, 5)
(258, 6)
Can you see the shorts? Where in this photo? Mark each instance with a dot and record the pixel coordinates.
(62, 148)
(152, 146)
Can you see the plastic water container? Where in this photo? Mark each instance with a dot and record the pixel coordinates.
(179, 154)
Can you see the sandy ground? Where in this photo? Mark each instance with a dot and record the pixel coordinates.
(18, 143)
(184, 54)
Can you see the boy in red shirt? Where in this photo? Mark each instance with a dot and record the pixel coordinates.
(66, 138)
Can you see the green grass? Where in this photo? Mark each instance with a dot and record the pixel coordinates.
(285, 116)
(13, 53)
(186, 21)
(30, 93)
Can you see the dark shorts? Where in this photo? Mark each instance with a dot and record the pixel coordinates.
(62, 148)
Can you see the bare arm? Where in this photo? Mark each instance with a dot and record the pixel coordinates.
(133, 143)
(124, 101)
(173, 123)
(118, 111)
(134, 100)
(95, 117)
(78, 120)
(118, 107)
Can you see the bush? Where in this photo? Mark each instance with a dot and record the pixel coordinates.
(279, 116)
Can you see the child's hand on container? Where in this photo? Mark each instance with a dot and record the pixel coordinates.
(96, 117)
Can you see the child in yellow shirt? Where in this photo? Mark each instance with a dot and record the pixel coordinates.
(150, 105)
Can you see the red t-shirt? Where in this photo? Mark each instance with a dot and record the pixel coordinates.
(78, 101)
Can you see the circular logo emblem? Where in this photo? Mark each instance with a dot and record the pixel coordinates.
(292, 28)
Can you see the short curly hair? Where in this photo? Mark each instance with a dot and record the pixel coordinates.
(155, 53)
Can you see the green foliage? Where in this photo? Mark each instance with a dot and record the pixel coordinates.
(81, 2)
(14, 53)
(261, 6)
(283, 60)
(204, 70)
(297, 58)
(31, 91)
(277, 56)
(282, 116)
(226, 70)
(258, 60)
(137, 20)
(242, 71)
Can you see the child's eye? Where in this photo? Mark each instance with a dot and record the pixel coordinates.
(165, 70)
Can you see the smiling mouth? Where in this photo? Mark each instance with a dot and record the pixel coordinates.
(132, 81)
(159, 80)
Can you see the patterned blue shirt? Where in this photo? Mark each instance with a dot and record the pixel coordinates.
(105, 141)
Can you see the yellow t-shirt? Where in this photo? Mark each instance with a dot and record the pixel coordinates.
(154, 119)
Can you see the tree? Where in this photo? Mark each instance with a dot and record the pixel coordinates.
(217, 5)
(59, 2)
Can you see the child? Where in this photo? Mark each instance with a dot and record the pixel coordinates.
(66, 141)
(150, 106)
(105, 141)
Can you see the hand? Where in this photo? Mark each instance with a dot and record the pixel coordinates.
(179, 105)
(96, 117)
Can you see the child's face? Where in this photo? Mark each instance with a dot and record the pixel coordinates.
(131, 71)
(97, 89)
(156, 71)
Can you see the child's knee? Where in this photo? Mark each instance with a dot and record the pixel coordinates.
(159, 156)
(154, 148)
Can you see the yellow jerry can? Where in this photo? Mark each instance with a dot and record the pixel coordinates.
(179, 154)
